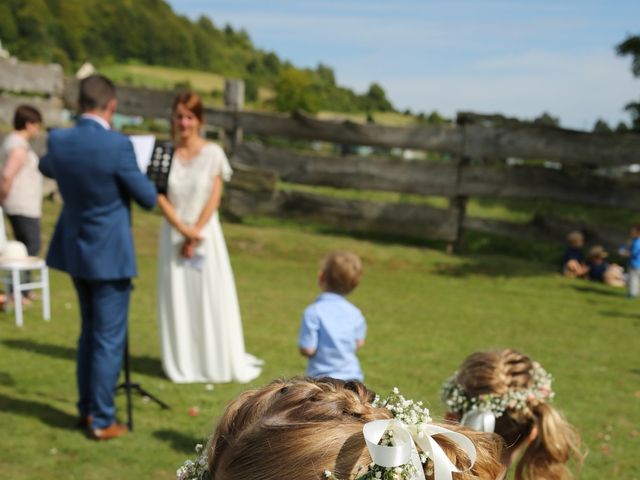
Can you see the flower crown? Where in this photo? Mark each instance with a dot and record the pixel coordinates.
(459, 401)
(399, 447)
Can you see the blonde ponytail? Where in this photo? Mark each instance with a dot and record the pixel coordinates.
(557, 442)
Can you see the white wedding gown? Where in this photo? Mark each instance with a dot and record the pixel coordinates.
(199, 317)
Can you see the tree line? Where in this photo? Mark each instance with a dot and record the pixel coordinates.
(70, 32)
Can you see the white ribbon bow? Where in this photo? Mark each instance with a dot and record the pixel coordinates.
(479, 421)
(405, 439)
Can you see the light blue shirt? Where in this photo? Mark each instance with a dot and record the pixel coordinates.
(332, 325)
(634, 253)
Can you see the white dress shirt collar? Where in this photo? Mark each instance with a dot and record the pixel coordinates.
(98, 119)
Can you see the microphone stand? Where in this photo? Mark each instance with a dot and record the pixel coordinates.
(128, 386)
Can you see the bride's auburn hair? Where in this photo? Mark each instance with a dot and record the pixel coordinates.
(300, 428)
(556, 442)
(192, 102)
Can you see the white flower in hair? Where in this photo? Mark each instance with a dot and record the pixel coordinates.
(523, 399)
(197, 470)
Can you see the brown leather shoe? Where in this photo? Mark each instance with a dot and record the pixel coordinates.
(114, 430)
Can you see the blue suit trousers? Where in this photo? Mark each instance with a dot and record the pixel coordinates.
(104, 306)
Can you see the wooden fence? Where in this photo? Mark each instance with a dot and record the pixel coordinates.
(477, 144)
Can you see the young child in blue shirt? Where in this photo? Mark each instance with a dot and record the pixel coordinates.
(633, 252)
(333, 328)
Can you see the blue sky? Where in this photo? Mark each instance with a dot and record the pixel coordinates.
(518, 58)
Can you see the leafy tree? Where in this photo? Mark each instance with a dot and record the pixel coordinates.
(325, 75)
(376, 99)
(35, 24)
(8, 25)
(601, 127)
(622, 128)
(72, 26)
(435, 118)
(251, 89)
(271, 63)
(547, 120)
(294, 92)
(631, 46)
(204, 23)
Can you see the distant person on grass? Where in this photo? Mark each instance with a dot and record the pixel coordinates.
(573, 260)
(602, 271)
(332, 328)
(98, 176)
(21, 181)
(633, 252)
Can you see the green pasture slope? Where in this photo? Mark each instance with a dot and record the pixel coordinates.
(162, 77)
(426, 310)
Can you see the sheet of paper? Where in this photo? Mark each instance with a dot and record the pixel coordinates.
(196, 262)
(143, 148)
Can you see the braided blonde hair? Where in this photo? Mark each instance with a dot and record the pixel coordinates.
(556, 441)
(300, 428)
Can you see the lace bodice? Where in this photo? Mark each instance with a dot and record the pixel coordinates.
(190, 182)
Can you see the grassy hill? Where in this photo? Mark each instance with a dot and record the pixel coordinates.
(163, 77)
(426, 310)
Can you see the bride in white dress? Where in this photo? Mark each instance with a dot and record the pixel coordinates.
(199, 317)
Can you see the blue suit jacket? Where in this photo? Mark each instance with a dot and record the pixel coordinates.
(97, 176)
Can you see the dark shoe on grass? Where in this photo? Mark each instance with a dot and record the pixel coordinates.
(84, 422)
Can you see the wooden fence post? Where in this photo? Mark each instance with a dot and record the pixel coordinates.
(234, 101)
(459, 202)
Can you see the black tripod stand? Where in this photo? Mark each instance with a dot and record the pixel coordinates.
(127, 386)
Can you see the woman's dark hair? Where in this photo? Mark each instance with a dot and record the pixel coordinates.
(26, 114)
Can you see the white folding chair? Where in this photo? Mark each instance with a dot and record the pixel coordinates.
(14, 261)
(11, 270)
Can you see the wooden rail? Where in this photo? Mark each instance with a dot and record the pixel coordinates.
(440, 178)
(477, 144)
(475, 140)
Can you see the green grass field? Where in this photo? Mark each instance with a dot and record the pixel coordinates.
(426, 310)
(162, 77)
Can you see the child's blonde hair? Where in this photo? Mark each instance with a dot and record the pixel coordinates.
(575, 238)
(301, 428)
(341, 272)
(557, 441)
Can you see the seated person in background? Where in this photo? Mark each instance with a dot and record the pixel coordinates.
(573, 264)
(332, 328)
(603, 271)
(505, 392)
(309, 429)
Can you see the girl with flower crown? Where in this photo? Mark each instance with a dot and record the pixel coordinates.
(325, 429)
(507, 393)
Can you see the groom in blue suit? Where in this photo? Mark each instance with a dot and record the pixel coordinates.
(97, 176)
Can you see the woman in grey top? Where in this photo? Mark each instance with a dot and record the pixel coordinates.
(21, 181)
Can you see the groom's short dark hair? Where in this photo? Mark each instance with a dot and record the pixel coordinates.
(95, 92)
